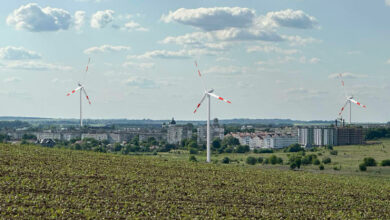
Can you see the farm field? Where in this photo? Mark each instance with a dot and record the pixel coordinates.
(347, 159)
(56, 183)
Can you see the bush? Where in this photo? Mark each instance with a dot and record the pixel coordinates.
(265, 151)
(193, 151)
(242, 149)
(369, 162)
(226, 160)
(337, 168)
(385, 163)
(316, 162)
(193, 159)
(362, 167)
(333, 152)
(329, 147)
(275, 160)
(294, 148)
(321, 167)
(309, 159)
(260, 160)
(326, 160)
(295, 162)
(251, 160)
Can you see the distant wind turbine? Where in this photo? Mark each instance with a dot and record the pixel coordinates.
(82, 90)
(207, 93)
(349, 100)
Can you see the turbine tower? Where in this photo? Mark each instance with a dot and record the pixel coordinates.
(207, 94)
(82, 91)
(349, 99)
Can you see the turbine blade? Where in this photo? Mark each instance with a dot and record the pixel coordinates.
(357, 103)
(200, 75)
(196, 109)
(74, 91)
(220, 98)
(342, 109)
(89, 60)
(86, 96)
(343, 84)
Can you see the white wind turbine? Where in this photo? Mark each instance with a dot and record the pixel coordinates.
(349, 100)
(82, 90)
(207, 93)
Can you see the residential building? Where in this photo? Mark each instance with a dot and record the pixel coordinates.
(216, 131)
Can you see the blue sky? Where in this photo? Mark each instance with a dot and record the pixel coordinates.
(272, 59)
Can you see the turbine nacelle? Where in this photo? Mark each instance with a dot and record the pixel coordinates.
(210, 91)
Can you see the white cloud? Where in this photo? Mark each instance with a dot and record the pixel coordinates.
(141, 83)
(303, 93)
(106, 48)
(347, 75)
(79, 19)
(164, 54)
(225, 70)
(387, 2)
(288, 18)
(208, 19)
(33, 18)
(102, 18)
(141, 66)
(18, 53)
(12, 79)
(208, 39)
(38, 66)
(314, 60)
(180, 54)
(272, 49)
(134, 26)
(300, 41)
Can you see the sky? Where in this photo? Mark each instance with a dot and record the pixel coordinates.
(270, 58)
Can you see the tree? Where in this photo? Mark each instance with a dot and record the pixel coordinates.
(29, 137)
(295, 162)
(326, 160)
(117, 147)
(251, 160)
(193, 159)
(242, 149)
(216, 144)
(362, 167)
(230, 141)
(369, 161)
(385, 163)
(226, 160)
(294, 148)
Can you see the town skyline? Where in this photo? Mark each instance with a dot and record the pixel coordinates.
(274, 59)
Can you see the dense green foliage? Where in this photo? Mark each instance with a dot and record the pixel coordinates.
(377, 133)
(226, 160)
(334, 152)
(370, 162)
(294, 148)
(362, 167)
(326, 160)
(385, 163)
(263, 151)
(251, 160)
(38, 182)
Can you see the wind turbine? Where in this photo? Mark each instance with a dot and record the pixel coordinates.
(349, 100)
(82, 90)
(208, 93)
